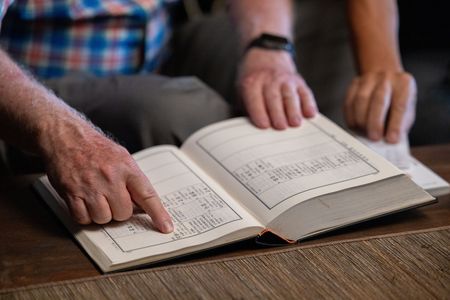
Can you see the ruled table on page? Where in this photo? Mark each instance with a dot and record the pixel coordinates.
(194, 207)
(276, 165)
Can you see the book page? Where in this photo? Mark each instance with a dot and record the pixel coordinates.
(427, 179)
(201, 210)
(270, 171)
(399, 155)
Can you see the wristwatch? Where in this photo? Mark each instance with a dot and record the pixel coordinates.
(272, 42)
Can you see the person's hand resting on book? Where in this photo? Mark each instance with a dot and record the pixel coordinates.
(97, 178)
(274, 94)
(381, 104)
(381, 100)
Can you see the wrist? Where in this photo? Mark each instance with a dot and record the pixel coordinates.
(253, 32)
(63, 131)
(380, 68)
(258, 58)
(272, 42)
(381, 62)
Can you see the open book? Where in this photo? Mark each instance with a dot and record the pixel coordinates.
(231, 181)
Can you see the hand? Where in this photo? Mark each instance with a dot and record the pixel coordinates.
(99, 180)
(274, 94)
(382, 104)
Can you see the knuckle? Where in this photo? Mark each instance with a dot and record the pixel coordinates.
(248, 81)
(149, 194)
(299, 80)
(406, 77)
(129, 166)
(384, 85)
(361, 96)
(285, 87)
(97, 205)
(400, 105)
(108, 172)
(121, 150)
(272, 94)
(64, 185)
(146, 192)
(407, 82)
(75, 204)
(305, 90)
(383, 76)
(89, 179)
(367, 78)
(285, 78)
(119, 154)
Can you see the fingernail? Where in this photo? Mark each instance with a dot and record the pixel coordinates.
(392, 137)
(373, 135)
(167, 227)
(296, 121)
(264, 123)
(314, 109)
(280, 125)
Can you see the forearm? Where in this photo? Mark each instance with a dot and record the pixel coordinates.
(374, 27)
(29, 112)
(381, 99)
(97, 178)
(253, 17)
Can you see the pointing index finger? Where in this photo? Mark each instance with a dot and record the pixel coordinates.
(144, 195)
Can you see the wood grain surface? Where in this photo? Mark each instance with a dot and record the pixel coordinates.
(414, 265)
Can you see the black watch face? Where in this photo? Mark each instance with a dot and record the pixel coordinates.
(274, 39)
(270, 41)
(273, 42)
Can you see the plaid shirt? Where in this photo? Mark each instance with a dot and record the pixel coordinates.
(102, 37)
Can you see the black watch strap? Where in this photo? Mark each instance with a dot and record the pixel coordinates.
(272, 42)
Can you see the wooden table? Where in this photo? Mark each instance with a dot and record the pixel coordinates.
(35, 247)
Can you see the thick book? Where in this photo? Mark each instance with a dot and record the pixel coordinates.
(232, 181)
